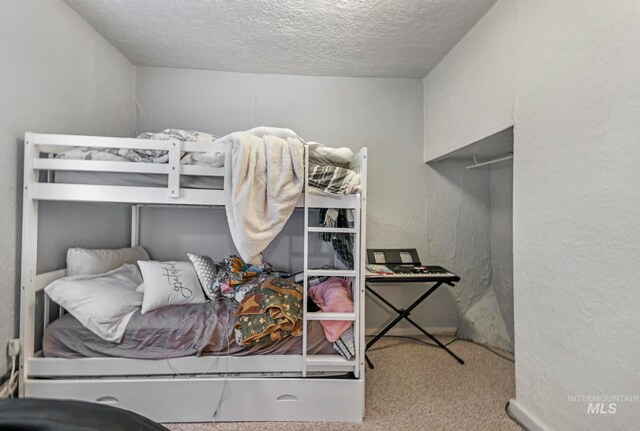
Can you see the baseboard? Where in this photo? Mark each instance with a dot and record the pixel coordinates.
(410, 332)
(524, 417)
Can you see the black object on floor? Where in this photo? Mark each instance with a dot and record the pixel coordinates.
(412, 271)
(57, 415)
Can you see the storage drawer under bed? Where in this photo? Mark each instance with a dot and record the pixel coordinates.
(208, 399)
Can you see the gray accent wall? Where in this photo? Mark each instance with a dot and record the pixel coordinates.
(57, 75)
(384, 115)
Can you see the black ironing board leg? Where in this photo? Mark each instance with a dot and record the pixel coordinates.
(369, 363)
(404, 314)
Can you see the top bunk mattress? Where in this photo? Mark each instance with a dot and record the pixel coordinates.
(174, 331)
(327, 175)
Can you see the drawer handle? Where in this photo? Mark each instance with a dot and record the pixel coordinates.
(287, 397)
(107, 400)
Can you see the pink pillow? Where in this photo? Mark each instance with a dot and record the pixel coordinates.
(333, 296)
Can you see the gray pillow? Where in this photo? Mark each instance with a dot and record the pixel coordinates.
(206, 269)
(85, 261)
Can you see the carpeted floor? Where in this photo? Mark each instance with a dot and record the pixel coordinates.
(418, 387)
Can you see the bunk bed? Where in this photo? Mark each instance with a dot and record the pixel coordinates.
(275, 387)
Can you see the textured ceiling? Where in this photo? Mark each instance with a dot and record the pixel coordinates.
(385, 38)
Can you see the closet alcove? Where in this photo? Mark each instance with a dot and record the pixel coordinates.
(470, 231)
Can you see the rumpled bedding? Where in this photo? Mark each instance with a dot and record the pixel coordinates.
(172, 332)
(270, 312)
(327, 166)
(213, 159)
(322, 155)
(333, 180)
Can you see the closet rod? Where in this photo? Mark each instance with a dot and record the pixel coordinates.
(490, 162)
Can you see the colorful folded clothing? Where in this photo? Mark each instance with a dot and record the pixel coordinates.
(270, 312)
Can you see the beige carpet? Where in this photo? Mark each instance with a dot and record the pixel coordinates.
(417, 387)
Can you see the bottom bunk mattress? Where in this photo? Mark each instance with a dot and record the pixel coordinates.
(172, 332)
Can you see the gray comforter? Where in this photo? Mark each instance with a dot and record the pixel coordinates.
(172, 332)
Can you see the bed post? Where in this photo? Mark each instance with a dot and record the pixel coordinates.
(135, 225)
(29, 260)
(363, 253)
(305, 267)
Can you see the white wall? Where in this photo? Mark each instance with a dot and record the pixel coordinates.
(57, 75)
(575, 205)
(469, 95)
(501, 208)
(576, 209)
(382, 114)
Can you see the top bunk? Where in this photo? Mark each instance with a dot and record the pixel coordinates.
(176, 181)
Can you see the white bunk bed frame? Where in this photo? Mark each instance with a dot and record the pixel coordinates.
(189, 389)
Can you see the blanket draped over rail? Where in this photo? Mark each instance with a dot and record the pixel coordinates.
(264, 177)
(270, 312)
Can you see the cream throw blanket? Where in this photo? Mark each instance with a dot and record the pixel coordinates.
(264, 177)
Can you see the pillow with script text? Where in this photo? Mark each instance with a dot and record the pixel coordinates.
(169, 283)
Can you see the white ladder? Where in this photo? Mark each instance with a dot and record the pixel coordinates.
(333, 362)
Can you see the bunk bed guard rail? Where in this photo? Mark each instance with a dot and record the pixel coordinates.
(53, 144)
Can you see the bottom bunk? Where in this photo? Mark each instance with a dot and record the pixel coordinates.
(227, 382)
(184, 363)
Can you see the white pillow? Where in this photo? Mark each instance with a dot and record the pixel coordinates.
(168, 283)
(104, 303)
(83, 261)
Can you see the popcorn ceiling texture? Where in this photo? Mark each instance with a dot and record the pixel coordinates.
(381, 38)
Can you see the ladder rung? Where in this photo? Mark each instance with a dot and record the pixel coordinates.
(331, 316)
(319, 201)
(331, 273)
(333, 229)
(329, 360)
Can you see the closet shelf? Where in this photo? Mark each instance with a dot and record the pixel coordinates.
(330, 316)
